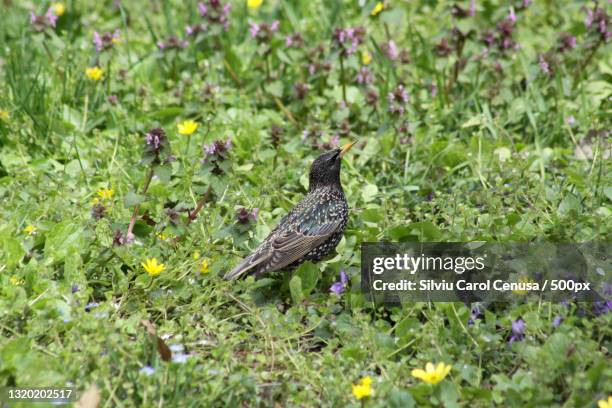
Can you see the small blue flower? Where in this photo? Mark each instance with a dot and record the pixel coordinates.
(90, 306)
(147, 370)
(176, 348)
(518, 330)
(180, 358)
(339, 287)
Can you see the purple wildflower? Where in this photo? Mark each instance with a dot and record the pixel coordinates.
(511, 15)
(98, 211)
(106, 40)
(397, 100)
(557, 321)
(566, 42)
(443, 49)
(294, 41)
(597, 21)
(215, 12)
(276, 134)
(459, 12)
(518, 331)
(371, 97)
(314, 132)
(172, 43)
(45, 21)
(194, 29)
(364, 76)
(390, 50)
(333, 143)
(347, 39)
(119, 239)
(544, 65)
(301, 90)
(339, 287)
(218, 148)
(155, 140)
(202, 9)
(215, 153)
(245, 216)
(433, 90)
(472, 12)
(75, 288)
(263, 32)
(571, 120)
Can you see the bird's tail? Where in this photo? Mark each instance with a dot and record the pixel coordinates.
(242, 268)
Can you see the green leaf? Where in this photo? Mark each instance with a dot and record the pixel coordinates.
(608, 192)
(63, 239)
(11, 250)
(473, 121)
(400, 399)
(570, 203)
(275, 88)
(427, 231)
(166, 113)
(132, 199)
(309, 275)
(369, 192)
(295, 287)
(164, 173)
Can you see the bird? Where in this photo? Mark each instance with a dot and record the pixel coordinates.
(311, 230)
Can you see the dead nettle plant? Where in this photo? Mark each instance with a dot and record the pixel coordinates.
(157, 160)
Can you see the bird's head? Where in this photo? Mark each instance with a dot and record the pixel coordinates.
(325, 169)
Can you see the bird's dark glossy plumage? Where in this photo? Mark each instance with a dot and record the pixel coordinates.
(311, 230)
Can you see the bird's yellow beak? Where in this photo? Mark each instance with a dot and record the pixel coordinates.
(346, 148)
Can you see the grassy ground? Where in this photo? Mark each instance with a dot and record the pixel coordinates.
(486, 124)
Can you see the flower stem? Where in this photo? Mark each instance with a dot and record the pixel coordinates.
(584, 64)
(135, 213)
(194, 214)
(342, 77)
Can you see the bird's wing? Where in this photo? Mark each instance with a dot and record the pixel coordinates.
(294, 244)
(285, 247)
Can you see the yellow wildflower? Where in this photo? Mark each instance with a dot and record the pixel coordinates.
(152, 267)
(363, 389)
(366, 58)
(30, 230)
(15, 280)
(4, 115)
(378, 8)
(604, 403)
(196, 255)
(161, 236)
(106, 193)
(254, 4)
(187, 127)
(59, 9)
(94, 73)
(432, 375)
(204, 266)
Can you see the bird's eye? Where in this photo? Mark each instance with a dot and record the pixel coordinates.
(334, 156)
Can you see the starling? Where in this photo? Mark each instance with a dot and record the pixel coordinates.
(311, 230)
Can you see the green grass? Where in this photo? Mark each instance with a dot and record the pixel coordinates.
(492, 148)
